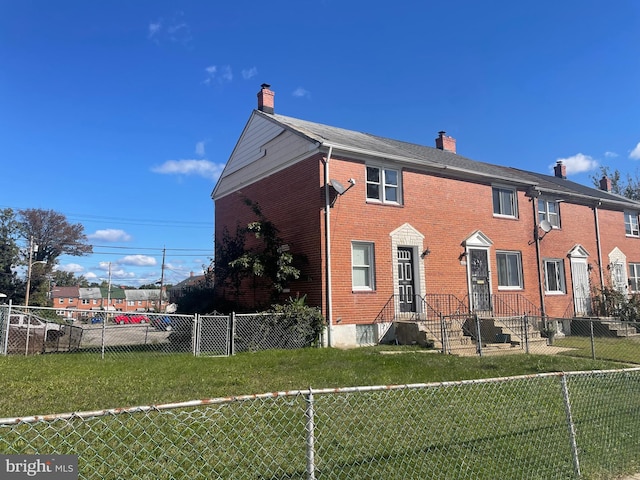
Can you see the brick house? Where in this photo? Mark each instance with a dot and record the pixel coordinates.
(391, 228)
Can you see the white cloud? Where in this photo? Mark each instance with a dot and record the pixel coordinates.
(137, 260)
(301, 92)
(221, 75)
(249, 73)
(154, 29)
(578, 163)
(90, 276)
(71, 267)
(610, 154)
(202, 168)
(110, 235)
(635, 153)
(200, 149)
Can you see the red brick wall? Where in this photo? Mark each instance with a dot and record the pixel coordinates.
(444, 210)
(292, 200)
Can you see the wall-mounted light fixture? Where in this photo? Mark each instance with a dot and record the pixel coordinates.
(425, 253)
(462, 255)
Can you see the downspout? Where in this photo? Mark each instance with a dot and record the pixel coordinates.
(534, 202)
(599, 244)
(327, 248)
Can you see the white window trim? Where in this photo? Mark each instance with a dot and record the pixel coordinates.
(520, 273)
(637, 224)
(562, 279)
(371, 267)
(546, 213)
(514, 191)
(382, 185)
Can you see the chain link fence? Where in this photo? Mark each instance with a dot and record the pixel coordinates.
(548, 426)
(42, 330)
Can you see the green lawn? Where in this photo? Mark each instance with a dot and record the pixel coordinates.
(510, 429)
(77, 382)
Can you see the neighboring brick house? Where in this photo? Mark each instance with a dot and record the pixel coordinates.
(387, 223)
(82, 301)
(180, 289)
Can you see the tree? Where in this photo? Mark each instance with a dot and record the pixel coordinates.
(68, 279)
(10, 285)
(54, 236)
(268, 258)
(627, 187)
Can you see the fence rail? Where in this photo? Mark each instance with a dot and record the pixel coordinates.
(547, 426)
(40, 330)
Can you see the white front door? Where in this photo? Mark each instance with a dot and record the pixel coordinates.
(580, 279)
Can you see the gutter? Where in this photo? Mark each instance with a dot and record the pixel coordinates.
(327, 247)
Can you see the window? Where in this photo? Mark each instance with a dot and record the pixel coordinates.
(130, 303)
(509, 270)
(362, 266)
(554, 276)
(85, 301)
(631, 224)
(118, 301)
(634, 277)
(504, 202)
(61, 300)
(549, 210)
(95, 302)
(383, 185)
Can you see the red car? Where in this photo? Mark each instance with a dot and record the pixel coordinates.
(122, 319)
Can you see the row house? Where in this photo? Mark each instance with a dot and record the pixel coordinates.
(70, 300)
(391, 226)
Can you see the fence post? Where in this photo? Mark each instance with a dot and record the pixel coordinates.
(526, 333)
(570, 425)
(478, 334)
(232, 333)
(310, 427)
(5, 319)
(593, 343)
(195, 335)
(443, 333)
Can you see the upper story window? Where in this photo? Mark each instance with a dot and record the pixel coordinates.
(554, 276)
(505, 202)
(631, 224)
(61, 300)
(383, 184)
(549, 210)
(509, 270)
(362, 266)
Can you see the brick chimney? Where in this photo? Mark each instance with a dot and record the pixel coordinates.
(265, 99)
(443, 142)
(560, 170)
(605, 184)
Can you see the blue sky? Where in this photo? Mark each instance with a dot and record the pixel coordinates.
(121, 114)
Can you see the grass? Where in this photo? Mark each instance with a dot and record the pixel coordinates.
(67, 383)
(514, 429)
(625, 350)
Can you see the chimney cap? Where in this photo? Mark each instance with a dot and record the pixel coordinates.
(265, 85)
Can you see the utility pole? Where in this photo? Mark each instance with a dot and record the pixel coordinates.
(164, 251)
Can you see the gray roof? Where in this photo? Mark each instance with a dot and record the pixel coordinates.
(445, 163)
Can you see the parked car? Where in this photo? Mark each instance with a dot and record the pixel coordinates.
(162, 323)
(51, 330)
(123, 319)
(95, 320)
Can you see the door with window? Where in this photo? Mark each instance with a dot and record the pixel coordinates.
(479, 279)
(406, 285)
